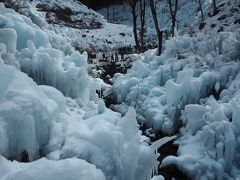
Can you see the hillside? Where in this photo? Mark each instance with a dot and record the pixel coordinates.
(186, 15)
(83, 28)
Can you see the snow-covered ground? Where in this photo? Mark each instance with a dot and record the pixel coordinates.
(186, 15)
(78, 25)
(108, 38)
(92, 33)
(227, 18)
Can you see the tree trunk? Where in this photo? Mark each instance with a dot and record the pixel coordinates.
(173, 26)
(142, 21)
(107, 11)
(135, 27)
(155, 20)
(113, 12)
(160, 40)
(173, 13)
(132, 4)
(214, 7)
(200, 7)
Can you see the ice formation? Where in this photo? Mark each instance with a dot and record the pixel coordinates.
(80, 138)
(46, 65)
(44, 122)
(193, 85)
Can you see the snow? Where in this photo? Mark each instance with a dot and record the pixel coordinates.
(72, 169)
(92, 32)
(157, 178)
(225, 20)
(186, 15)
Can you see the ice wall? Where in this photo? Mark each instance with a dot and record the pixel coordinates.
(26, 115)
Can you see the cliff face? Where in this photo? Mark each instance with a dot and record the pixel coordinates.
(96, 4)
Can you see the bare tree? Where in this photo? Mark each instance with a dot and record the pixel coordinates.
(142, 22)
(133, 4)
(113, 12)
(157, 27)
(173, 13)
(107, 11)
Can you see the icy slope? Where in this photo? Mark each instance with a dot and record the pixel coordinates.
(186, 15)
(226, 19)
(80, 138)
(70, 13)
(193, 88)
(86, 29)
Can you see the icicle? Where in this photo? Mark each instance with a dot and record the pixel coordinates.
(157, 144)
